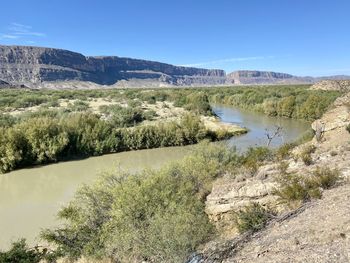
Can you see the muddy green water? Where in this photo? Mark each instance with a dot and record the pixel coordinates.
(30, 198)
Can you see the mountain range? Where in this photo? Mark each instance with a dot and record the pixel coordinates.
(38, 67)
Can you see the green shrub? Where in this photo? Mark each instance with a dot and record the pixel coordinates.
(252, 217)
(14, 149)
(45, 138)
(284, 151)
(198, 103)
(325, 177)
(254, 157)
(78, 105)
(6, 120)
(294, 188)
(20, 253)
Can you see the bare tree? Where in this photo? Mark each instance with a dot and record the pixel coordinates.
(271, 135)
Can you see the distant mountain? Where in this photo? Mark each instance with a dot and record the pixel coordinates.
(253, 77)
(38, 67)
(35, 65)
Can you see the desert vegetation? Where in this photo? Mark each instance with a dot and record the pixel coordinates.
(294, 189)
(47, 126)
(286, 101)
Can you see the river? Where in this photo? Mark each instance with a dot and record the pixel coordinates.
(30, 198)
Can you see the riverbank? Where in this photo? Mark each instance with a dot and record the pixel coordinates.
(295, 233)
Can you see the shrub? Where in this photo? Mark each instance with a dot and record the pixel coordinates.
(14, 148)
(284, 151)
(348, 128)
(283, 167)
(252, 217)
(20, 253)
(45, 138)
(325, 177)
(305, 155)
(198, 102)
(294, 188)
(78, 105)
(6, 120)
(306, 158)
(298, 188)
(253, 158)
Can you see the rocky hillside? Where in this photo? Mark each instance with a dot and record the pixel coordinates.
(342, 85)
(317, 231)
(35, 65)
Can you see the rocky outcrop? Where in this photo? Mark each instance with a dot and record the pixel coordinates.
(341, 85)
(233, 192)
(34, 65)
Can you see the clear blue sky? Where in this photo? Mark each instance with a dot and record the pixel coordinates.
(304, 37)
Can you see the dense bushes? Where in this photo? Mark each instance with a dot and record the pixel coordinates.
(154, 216)
(39, 140)
(294, 189)
(120, 116)
(21, 253)
(285, 101)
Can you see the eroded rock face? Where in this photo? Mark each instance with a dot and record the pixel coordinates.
(233, 192)
(23, 65)
(342, 85)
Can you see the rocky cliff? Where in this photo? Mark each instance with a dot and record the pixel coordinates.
(254, 77)
(39, 67)
(34, 65)
(341, 85)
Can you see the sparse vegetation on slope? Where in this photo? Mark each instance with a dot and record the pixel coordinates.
(253, 217)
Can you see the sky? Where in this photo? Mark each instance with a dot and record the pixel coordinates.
(301, 37)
